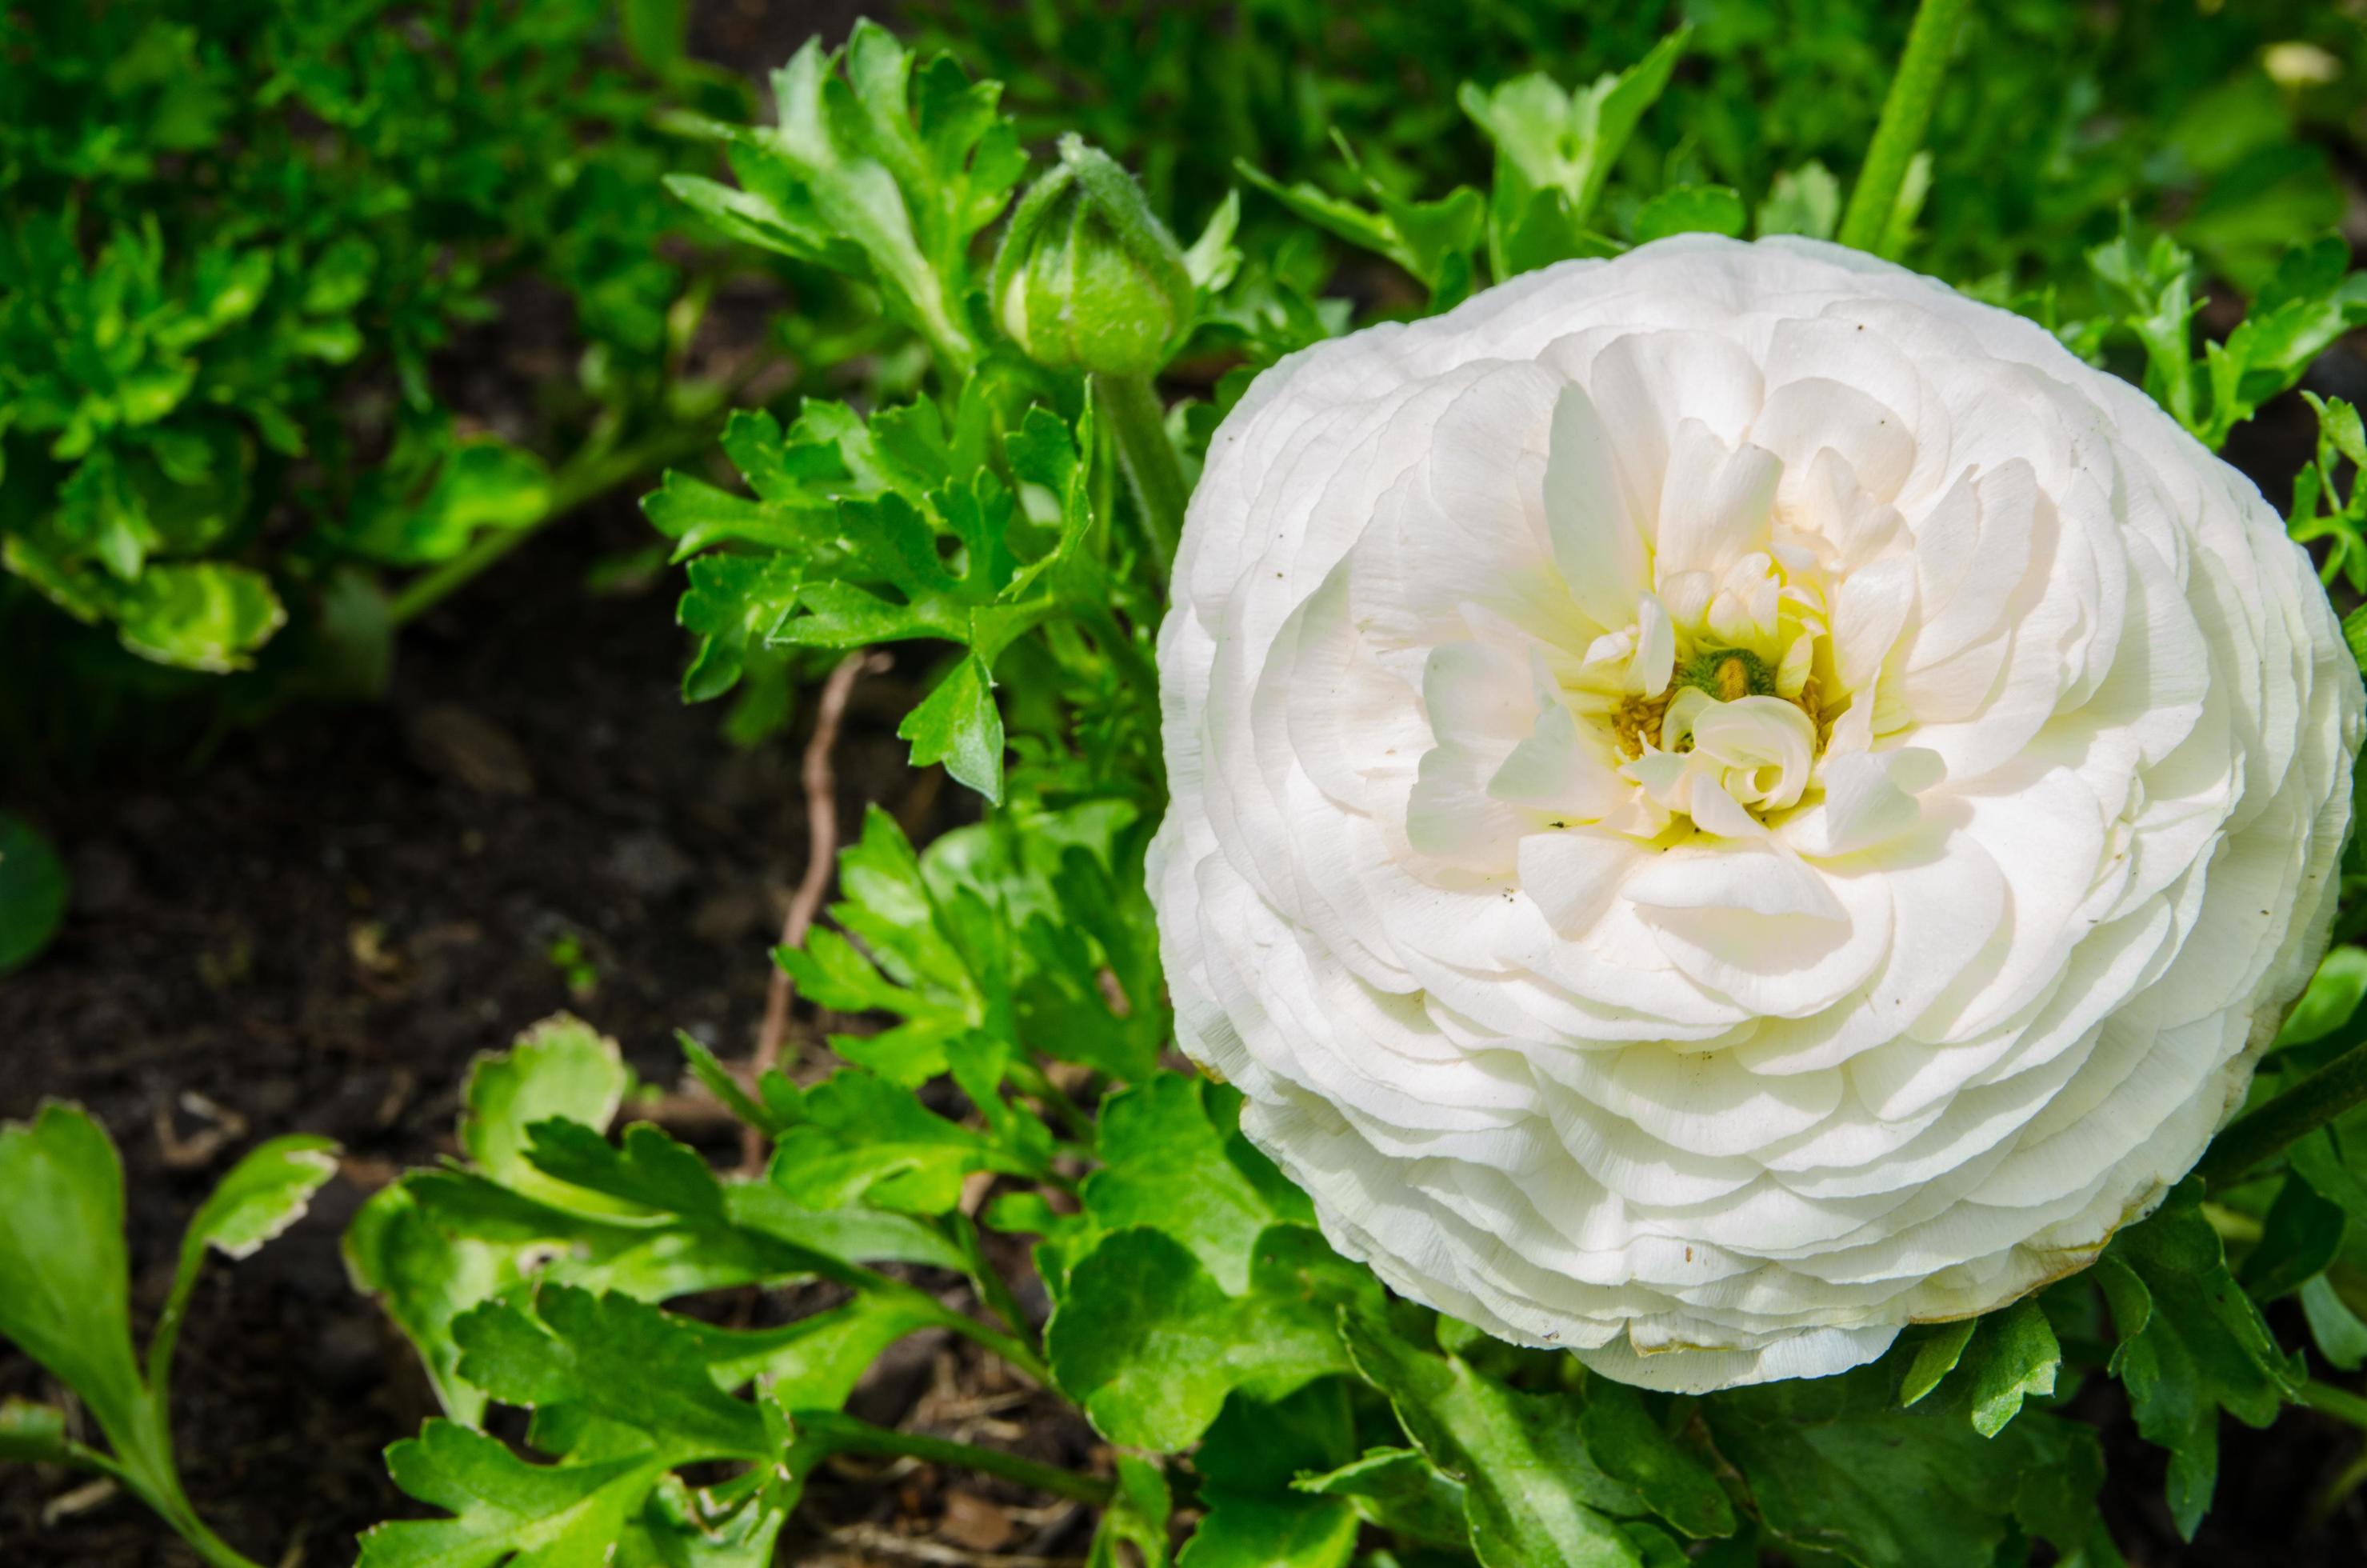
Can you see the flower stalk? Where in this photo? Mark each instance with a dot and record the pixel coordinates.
(1154, 471)
(1906, 116)
(2255, 1138)
(846, 1434)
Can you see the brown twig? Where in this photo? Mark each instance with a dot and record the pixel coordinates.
(820, 782)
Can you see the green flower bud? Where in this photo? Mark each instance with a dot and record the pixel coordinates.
(1087, 277)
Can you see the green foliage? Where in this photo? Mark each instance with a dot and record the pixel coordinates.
(973, 528)
(65, 1294)
(1554, 152)
(2192, 1345)
(2052, 116)
(2311, 298)
(1835, 1466)
(245, 233)
(1533, 1489)
(504, 1510)
(32, 893)
(1151, 1345)
(871, 172)
(2326, 506)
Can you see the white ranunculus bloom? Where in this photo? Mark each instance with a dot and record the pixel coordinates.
(1733, 798)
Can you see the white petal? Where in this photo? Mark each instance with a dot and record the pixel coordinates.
(1715, 503)
(1597, 540)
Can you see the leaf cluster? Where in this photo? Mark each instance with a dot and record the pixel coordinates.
(243, 234)
(2058, 117)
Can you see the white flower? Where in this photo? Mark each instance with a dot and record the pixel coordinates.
(1733, 798)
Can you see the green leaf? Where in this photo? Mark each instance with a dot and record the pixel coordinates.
(1935, 1357)
(1400, 1491)
(199, 615)
(504, 1510)
(958, 724)
(622, 1360)
(2334, 990)
(1247, 1462)
(717, 1080)
(864, 1236)
(263, 1195)
(2155, 282)
(1150, 1344)
(457, 492)
(2014, 1355)
(32, 893)
(1554, 152)
(64, 1283)
(1690, 209)
(650, 1260)
(2340, 426)
(1044, 451)
(2320, 1160)
(2341, 1337)
(1213, 258)
(1836, 1468)
(679, 1532)
(1266, 1532)
(1631, 1447)
(657, 31)
(424, 1276)
(2354, 635)
(1174, 1162)
(32, 1434)
(562, 1069)
(2204, 1348)
(924, 964)
(2300, 1236)
(1805, 201)
(869, 1140)
(1137, 1518)
(651, 1171)
(864, 175)
(1533, 1492)
(1038, 933)
(815, 1362)
(1433, 241)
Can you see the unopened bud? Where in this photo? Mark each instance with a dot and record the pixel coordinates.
(1087, 277)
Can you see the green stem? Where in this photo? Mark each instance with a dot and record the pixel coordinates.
(1038, 1085)
(2340, 1403)
(1017, 1351)
(844, 1433)
(2290, 1116)
(2338, 1490)
(991, 1288)
(2231, 1224)
(589, 474)
(152, 1478)
(216, 1551)
(167, 1333)
(1154, 471)
(1906, 116)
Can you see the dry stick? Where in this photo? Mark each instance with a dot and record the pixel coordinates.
(822, 853)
